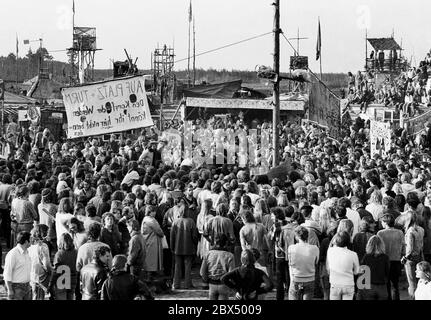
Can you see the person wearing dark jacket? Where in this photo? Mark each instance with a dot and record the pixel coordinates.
(378, 263)
(122, 285)
(110, 234)
(183, 243)
(94, 274)
(136, 256)
(247, 280)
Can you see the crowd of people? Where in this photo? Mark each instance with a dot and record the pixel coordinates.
(404, 93)
(104, 220)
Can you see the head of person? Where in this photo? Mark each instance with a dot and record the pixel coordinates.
(150, 211)
(75, 225)
(133, 226)
(278, 215)
(234, 205)
(247, 258)
(47, 195)
(221, 241)
(37, 234)
(23, 239)
(65, 205)
(301, 234)
(282, 200)
(108, 220)
(345, 225)
(66, 242)
(222, 210)
(342, 239)
(119, 263)
(94, 231)
(247, 216)
(341, 212)
(102, 255)
(22, 191)
(423, 271)
(375, 246)
(388, 221)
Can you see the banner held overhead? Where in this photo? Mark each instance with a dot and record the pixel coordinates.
(106, 107)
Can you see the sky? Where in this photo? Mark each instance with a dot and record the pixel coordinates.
(142, 25)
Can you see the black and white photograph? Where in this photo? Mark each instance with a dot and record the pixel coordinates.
(229, 152)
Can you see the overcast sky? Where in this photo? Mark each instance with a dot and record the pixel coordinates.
(140, 25)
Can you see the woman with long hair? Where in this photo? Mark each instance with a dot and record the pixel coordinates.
(282, 200)
(40, 263)
(260, 210)
(202, 220)
(342, 265)
(253, 236)
(375, 205)
(65, 257)
(378, 263)
(423, 273)
(63, 216)
(414, 238)
(325, 219)
(153, 234)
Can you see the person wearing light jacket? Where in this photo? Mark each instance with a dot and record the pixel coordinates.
(217, 262)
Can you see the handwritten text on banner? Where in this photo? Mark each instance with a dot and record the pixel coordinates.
(107, 107)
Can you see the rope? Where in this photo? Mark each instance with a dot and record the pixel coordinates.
(226, 46)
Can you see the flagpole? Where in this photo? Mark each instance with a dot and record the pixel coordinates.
(320, 58)
(188, 56)
(194, 52)
(16, 60)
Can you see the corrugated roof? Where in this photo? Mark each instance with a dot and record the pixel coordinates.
(11, 98)
(46, 89)
(384, 44)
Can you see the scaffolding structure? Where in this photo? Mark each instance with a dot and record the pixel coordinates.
(164, 77)
(81, 55)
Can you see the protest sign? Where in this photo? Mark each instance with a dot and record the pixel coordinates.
(106, 107)
(380, 138)
(325, 109)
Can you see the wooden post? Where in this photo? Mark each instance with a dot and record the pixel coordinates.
(276, 91)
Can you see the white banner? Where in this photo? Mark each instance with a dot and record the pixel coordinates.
(380, 138)
(32, 113)
(106, 107)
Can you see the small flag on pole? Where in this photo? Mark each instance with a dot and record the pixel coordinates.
(319, 43)
(26, 41)
(190, 12)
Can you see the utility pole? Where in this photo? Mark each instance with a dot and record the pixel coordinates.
(276, 91)
(194, 53)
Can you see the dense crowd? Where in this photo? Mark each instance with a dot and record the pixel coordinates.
(106, 220)
(405, 93)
